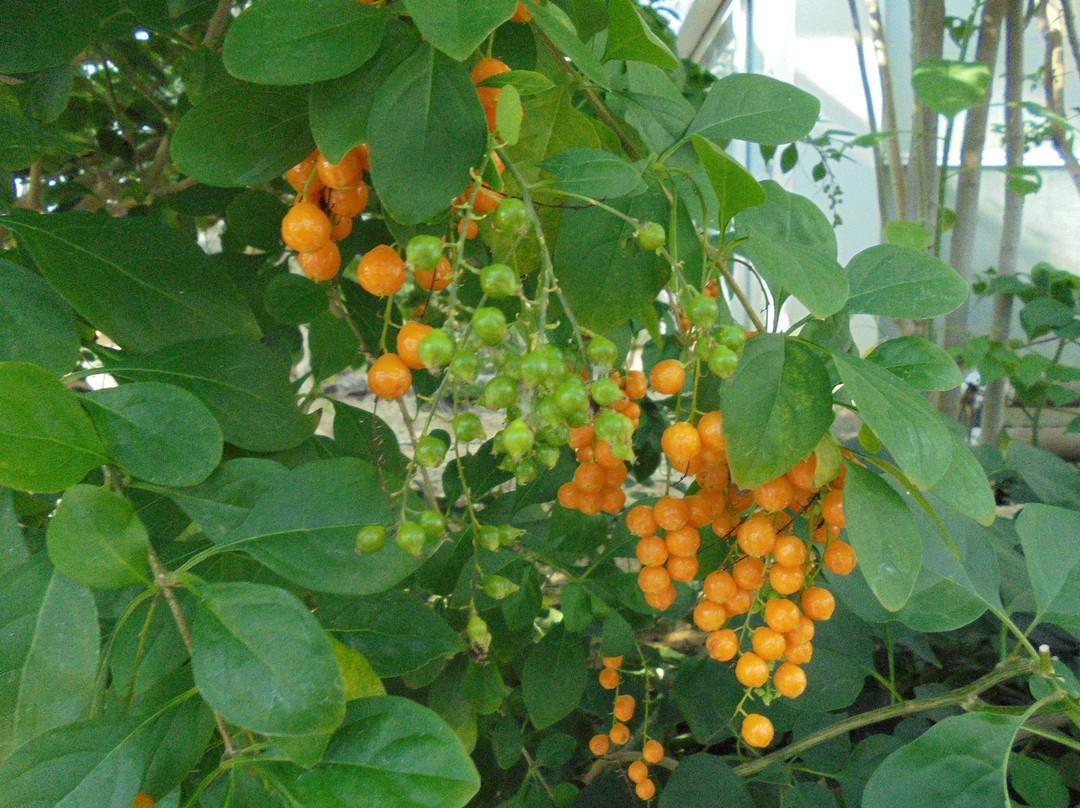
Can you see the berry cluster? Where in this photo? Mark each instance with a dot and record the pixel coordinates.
(652, 751)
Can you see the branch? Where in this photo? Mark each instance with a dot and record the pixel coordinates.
(1054, 83)
(871, 116)
(889, 120)
(216, 29)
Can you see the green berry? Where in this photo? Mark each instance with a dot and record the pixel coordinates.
(497, 587)
(424, 252)
(511, 366)
(467, 427)
(613, 427)
(518, 439)
(411, 538)
(731, 336)
(370, 539)
(651, 236)
(525, 471)
(602, 352)
(508, 534)
(489, 325)
(571, 396)
(547, 456)
(606, 392)
(488, 537)
(465, 365)
(703, 311)
(433, 524)
(723, 362)
(435, 349)
(548, 409)
(498, 281)
(512, 216)
(500, 392)
(477, 631)
(431, 451)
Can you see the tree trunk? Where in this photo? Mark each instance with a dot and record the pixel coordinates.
(927, 42)
(1012, 219)
(871, 117)
(1052, 19)
(893, 160)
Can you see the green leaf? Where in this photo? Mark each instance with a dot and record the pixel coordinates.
(223, 501)
(140, 282)
(1048, 536)
(894, 281)
(736, 190)
(339, 109)
(457, 27)
(245, 385)
(920, 363)
(594, 173)
(253, 219)
(554, 678)
(606, 276)
(756, 108)
(96, 538)
(901, 418)
(526, 82)
(707, 695)
(36, 324)
(390, 752)
(915, 235)
(1053, 481)
(13, 550)
(793, 246)
(36, 34)
(359, 678)
(294, 299)
(699, 779)
(396, 631)
(509, 115)
(157, 432)
(304, 529)
(557, 27)
(333, 345)
(889, 559)
(949, 87)
(630, 38)
(965, 486)
(47, 442)
(1038, 783)
(263, 662)
(286, 42)
(51, 638)
(776, 409)
(243, 134)
(426, 130)
(960, 761)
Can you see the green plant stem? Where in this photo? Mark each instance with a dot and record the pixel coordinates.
(954, 698)
(741, 295)
(1064, 740)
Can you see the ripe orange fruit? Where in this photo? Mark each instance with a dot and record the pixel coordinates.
(799, 653)
(652, 551)
(521, 14)
(803, 632)
(818, 603)
(652, 580)
(702, 509)
(637, 771)
(712, 477)
(381, 271)
(599, 744)
(767, 643)
(299, 174)
(832, 509)
(757, 730)
(435, 279)
(349, 202)
(305, 227)
(683, 542)
(839, 557)
(681, 442)
(802, 476)
(751, 670)
(682, 568)
(652, 751)
(613, 475)
(636, 386)
(341, 229)
(740, 602)
(609, 678)
(786, 580)
(789, 550)
(719, 586)
(624, 707)
(757, 535)
(640, 521)
(321, 264)
(775, 495)
(589, 476)
(722, 645)
(645, 790)
(143, 800)
(709, 615)
(667, 377)
(619, 734)
(612, 499)
(611, 661)
(486, 199)
(486, 68)
(671, 513)
(569, 496)
(781, 615)
(408, 338)
(591, 502)
(388, 377)
(790, 680)
(662, 600)
(346, 174)
(749, 573)
(711, 430)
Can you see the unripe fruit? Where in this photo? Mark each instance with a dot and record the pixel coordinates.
(424, 252)
(571, 396)
(511, 216)
(497, 587)
(613, 426)
(465, 365)
(703, 311)
(489, 324)
(722, 362)
(518, 439)
(602, 352)
(370, 539)
(651, 236)
(435, 349)
(498, 281)
(605, 392)
(433, 524)
(488, 536)
(500, 392)
(431, 451)
(467, 427)
(731, 336)
(410, 537)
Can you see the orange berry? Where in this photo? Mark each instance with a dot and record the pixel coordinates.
(652, 751)
(789, 550)
(624, 707)
(521, 14)
(652, 580)
(341, 229)
(701, 509)
(605, 458)
(591, 502)
(802, 475)
(667, 377)
(712, 288)
(143, 800)
(609, 678)
(619, 734)
(756, 535)
(713, 476)
(381, 271)
(589, 476)
(645, 790)
(719, 586)
(435, 279)
(799, 653)
(775, 495)
(741, 500)
(611, 661)
(709, 616)
(767, 643)
(652, 551)
(640, 521)
(757, 730)
(581, 436)
(818, 603)
(612, 499)
(662, 600)
(823, 532)
(585, 454)
(786, 580)
(671, 513)
(486, 199)
(751, 670)
(740, 602)
(388, 377)
(349, 202)
(299, 174)
(749, 573)
(781, 615)
(683, 542)
(486, 68)
(711, 430)
(321, 264)
(305, 227)
(408, 338)
(636, 386)
(790, 680)
(682, 568)
(569, 496)
(614, 476)
(839, 557)
(363, 156)
(832, 509)
(599, 744)
(687, 468)
(471, 228)
(722, 645)
(803, 632)
(346, 174)
(681, 442)
(637, 771)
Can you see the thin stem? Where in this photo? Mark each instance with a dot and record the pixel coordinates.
(1052, 736)
(741, 295)
(961, 696)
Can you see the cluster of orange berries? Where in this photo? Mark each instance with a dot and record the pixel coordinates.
(765, 564)
(652, 751)
(328, 197)
(597, 484)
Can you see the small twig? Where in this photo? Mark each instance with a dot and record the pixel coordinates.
(536, 770)
(741, 295)
(216, 29)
